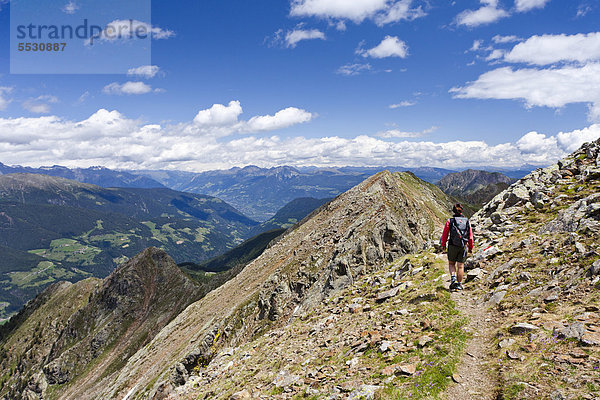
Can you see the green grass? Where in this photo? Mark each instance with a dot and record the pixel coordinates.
(69, 250)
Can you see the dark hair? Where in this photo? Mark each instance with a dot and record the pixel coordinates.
(457, 209)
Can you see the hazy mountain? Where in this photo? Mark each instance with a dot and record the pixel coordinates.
(53, 228)
(95, 175)
(261, 192)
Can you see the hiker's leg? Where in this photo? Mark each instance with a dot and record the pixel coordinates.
(452, 267)
(460, 271)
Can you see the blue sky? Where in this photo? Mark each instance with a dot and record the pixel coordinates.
(320, 82)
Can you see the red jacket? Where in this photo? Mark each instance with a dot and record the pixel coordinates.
(447, 232)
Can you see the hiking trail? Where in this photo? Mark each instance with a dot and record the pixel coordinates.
(476, 376)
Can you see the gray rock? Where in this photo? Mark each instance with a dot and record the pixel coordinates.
(496, 298)
(594, 269)
(364, 393)
(383, 296)
(385, 346)
(241, 395)
(506, 343)
(285, 379)
(424, 340)
(477, 273)
(557, 395)
(573, 331)
(522, 328)
(551, 297)
(580, 248)
(524, 276)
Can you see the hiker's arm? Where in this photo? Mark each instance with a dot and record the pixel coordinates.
(470, 237)
(445, 234)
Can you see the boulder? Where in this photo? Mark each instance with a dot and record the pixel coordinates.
(522, 328)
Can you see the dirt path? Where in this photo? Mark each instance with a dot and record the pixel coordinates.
(476, 379)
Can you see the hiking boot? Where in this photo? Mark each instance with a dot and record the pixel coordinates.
(458, 286)
(453, 286)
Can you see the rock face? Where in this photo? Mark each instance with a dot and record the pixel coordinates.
(383, 218)
(117, 318)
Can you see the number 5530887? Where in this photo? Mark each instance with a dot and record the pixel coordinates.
(39, 47)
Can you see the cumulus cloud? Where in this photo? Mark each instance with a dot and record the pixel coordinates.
(127, 88)
(219, 115)
(282, 119)
(144, 71)
(353, 69)
(4, 101)
(40, 105)
(297, 35)
(551, 49)
(554, 87)
(488, 13)
(390, 46)
(132, 143)
(528, 5)
(111, 139)
(382, 12)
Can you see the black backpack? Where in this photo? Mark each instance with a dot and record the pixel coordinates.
(459, 231)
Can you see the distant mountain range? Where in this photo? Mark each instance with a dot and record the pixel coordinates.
(257, 192)
(260, 192)
(53, 228)
(473, 186)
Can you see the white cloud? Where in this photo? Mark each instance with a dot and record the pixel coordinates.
(583, 10)
(125, 29)
(353, 69)
(476, 45)
(397, 133)
(405, 103)
(528, 5)
(554, 87)
(145, 71)
(293, 37)
(70, 8)
(4, 101)
(488, 13)
(495, 55)
(571, 141)
(127, 88)
(499, 39)
(381, 11)
(111, 139)
(282, 119)
(550, 49)
(40, 105)
(219, 115)
(390, 46)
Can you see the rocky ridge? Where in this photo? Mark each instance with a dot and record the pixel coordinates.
(105, 325)
(378, 221)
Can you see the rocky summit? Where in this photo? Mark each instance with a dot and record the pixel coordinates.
(351, 303)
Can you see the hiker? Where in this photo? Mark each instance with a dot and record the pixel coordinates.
(459, 235)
